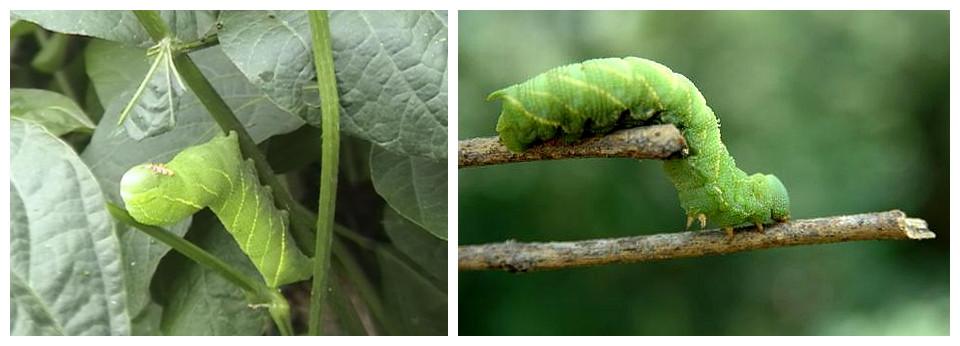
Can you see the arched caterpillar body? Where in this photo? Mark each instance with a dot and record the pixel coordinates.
(598, 96)
(215, 175)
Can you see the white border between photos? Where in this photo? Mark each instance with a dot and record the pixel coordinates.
(452, 6)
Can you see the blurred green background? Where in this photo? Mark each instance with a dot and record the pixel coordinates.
(849, 109)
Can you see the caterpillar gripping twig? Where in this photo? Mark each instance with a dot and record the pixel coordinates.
(215, 175)
(598, 96)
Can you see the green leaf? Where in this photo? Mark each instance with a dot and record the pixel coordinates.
(413, 302)
(121, 26)
(114, 68)
(66, 268)
(57, 113)
(111, 151)
(305, 141)
(415, 242)
(415, 187)
(273, 49)
(196, 299)
(391, 70)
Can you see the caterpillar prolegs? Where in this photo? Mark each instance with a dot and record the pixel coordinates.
(601, 95)
(215, 175)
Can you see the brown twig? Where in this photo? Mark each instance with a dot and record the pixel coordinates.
(521, 257)
(647, 142)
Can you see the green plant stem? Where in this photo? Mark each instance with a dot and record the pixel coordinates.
(153, 23)
(279, 310)
(206, 41)
(330, 156)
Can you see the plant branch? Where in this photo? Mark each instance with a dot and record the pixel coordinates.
(204, 42)
(330, 157)
(645, 142)
(153, 23)
(521, 257)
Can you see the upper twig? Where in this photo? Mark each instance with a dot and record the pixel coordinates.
(647, 142)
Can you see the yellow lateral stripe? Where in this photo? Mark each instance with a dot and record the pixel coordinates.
(208, 190)
(602, 92)
(224, 174)
(535, 117)
(558, 100)
(283, 228)
(253, 227)
(143, 212)
(283, 249)
(627, 78)
(182, 201)
(243, 196)
(263, 257)
(267, 250)
(656, 97)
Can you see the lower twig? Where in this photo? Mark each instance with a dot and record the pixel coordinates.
(521, 257)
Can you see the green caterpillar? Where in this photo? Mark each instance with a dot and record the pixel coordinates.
(215, 175)
(601, 95)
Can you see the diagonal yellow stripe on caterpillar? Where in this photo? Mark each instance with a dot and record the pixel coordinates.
(253, 224)
(529, 114)
(182, 201)
(243, 198)
(283, 248)
(594, 88)
(652, 92)
(557, 100)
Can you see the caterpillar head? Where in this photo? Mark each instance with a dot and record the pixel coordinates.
(771, 196)
(152, 194)
(776, 198)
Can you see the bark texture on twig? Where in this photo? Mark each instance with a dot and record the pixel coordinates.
(647, 142)
(521, 257)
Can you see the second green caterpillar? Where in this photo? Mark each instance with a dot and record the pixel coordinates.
(215, 175)
(601, 95)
